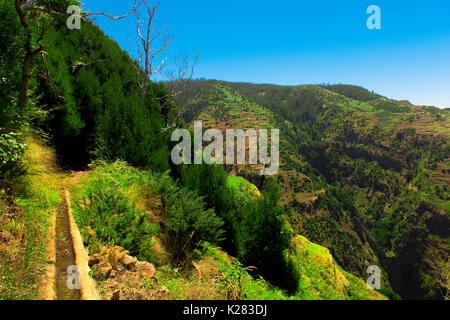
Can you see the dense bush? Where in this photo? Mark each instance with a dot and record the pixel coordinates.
(262, 237)
(109, 217)
(103, 207)
(189, 223)
(12, 149)
(12, 43)
(255, 228)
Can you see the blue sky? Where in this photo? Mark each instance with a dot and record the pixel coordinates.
(293, 42)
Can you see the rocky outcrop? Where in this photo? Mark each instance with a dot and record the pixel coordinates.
(123, 277)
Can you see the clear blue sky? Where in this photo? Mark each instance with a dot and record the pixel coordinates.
(293, 42)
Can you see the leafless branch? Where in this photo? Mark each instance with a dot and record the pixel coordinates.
(21, 13)
(136, 6)
(178, 80)
(28, 6)
(147, 53)
(41, 37)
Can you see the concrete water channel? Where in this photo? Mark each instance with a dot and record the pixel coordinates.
(65, 256)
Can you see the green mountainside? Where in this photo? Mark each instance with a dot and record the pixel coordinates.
(363, 175)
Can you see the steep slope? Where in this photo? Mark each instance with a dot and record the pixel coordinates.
(90, 103)
(363, 175)
(321, 278)
(212, 273)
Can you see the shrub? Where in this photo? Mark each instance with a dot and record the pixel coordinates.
(103, 208)
(255, 226)
(11, 151)
(189, 222)
(109, 217)
(262, 237)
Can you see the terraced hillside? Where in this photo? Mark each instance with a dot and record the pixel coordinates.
(363, 175)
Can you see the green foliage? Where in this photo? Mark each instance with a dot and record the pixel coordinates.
(319, 276)
(12, 44)
(389, 293)
(189, 223)
(359, 153)
(263, 237)
(353, 92)
(236, 280)
(11, 148)
(114, 220)
(94, 104)
(389, 107)
(12, 168)
(255, 227)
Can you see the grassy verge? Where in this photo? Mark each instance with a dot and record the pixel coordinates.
(24, 223)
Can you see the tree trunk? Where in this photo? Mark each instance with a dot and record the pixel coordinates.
(25, 79)
(145, 84)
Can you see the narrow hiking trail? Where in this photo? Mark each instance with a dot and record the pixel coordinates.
(58, 246)
(65, 254)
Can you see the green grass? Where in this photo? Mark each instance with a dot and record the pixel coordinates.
(24, 256)
(110, 208)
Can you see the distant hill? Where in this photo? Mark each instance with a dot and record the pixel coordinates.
(363, 175)
(354, 92)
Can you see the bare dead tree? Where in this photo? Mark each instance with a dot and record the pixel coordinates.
(178, 79)
(29, 6)
(151, 46)
(182, 74)
(27, 11)
(148, 54)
